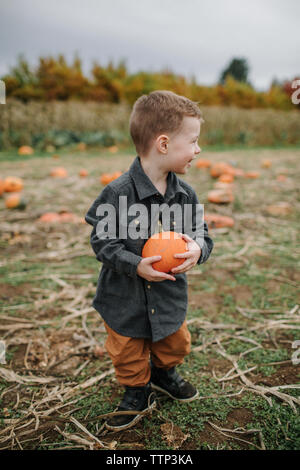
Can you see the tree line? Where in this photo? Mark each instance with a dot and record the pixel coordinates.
(55, 79)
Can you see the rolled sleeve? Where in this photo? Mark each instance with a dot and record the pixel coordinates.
(207, 246)
(200, 231)
(110, 251)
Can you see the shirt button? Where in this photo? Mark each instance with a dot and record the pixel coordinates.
(152, 311)
(149, 287)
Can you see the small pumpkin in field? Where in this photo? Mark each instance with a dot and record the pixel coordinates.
(59, 172)
(49, 217)
(226, 178)
(55, 156)
(105, 178)
(15, 201)
(66, 216)
(220, 196)
(25, 150)
(220, 168)
(81, 146)
(116, 175)
(83, 173)
(113, 149)
(280, 208)
(1, 187)
(13, 184)
(252, 174)
(266, 163)
(218, 221)
(165, 244)
(203, 163)
(281, 178)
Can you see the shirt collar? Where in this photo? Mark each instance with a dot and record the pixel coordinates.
(146, 188)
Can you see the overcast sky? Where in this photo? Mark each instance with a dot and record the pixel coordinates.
(192, 37)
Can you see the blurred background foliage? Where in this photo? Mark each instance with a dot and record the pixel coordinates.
(56, 104)
(55, 79)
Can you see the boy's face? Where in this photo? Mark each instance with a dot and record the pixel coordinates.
(183, 147)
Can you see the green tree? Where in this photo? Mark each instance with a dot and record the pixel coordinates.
(238, 69)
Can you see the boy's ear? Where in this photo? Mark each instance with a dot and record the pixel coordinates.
(162, 143)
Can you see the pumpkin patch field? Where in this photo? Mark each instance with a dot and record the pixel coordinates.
(57, 381)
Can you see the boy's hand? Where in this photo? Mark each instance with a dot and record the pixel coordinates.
(192, 255)
(145, 270)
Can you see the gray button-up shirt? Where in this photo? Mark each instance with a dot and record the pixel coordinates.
(128, 303)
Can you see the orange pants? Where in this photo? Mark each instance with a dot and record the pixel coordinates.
(130, 356)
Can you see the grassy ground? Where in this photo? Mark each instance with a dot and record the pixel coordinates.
(243, 316)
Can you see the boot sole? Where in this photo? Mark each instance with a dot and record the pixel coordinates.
(133, 422)
(159, 389)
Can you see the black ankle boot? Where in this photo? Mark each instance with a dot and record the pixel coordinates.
(134, 399)
(172, 384)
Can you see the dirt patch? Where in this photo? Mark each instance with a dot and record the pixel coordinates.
(211, 303)
(9, 291)
(238, 417)
(273, 286)
(242, 294)
(285, 375)
(45, 351)
(222, 275)
(218, 365)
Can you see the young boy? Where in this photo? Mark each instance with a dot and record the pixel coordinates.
(144, 309)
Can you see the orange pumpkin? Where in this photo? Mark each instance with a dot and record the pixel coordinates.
(49, 217)
(67, 216)
(252, 174)
(15, 201)
(81, 146)
(266, 163)
(59, 172)
(226, 178)
(83, 173)
(105, 178)
(25, 150)
(165, 244)
(113, 149)
(218, 221)
(2, 186)
(203, 163)
(116, 175)
(280, 208)
(220, 168)
(13, 184)
(220, 196)
(56, 156)
(281, 178)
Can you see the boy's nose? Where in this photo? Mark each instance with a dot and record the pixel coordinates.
(198, 149)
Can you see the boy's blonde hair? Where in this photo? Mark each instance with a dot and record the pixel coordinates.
(159, 112)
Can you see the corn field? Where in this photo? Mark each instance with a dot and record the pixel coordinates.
(60, 123)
